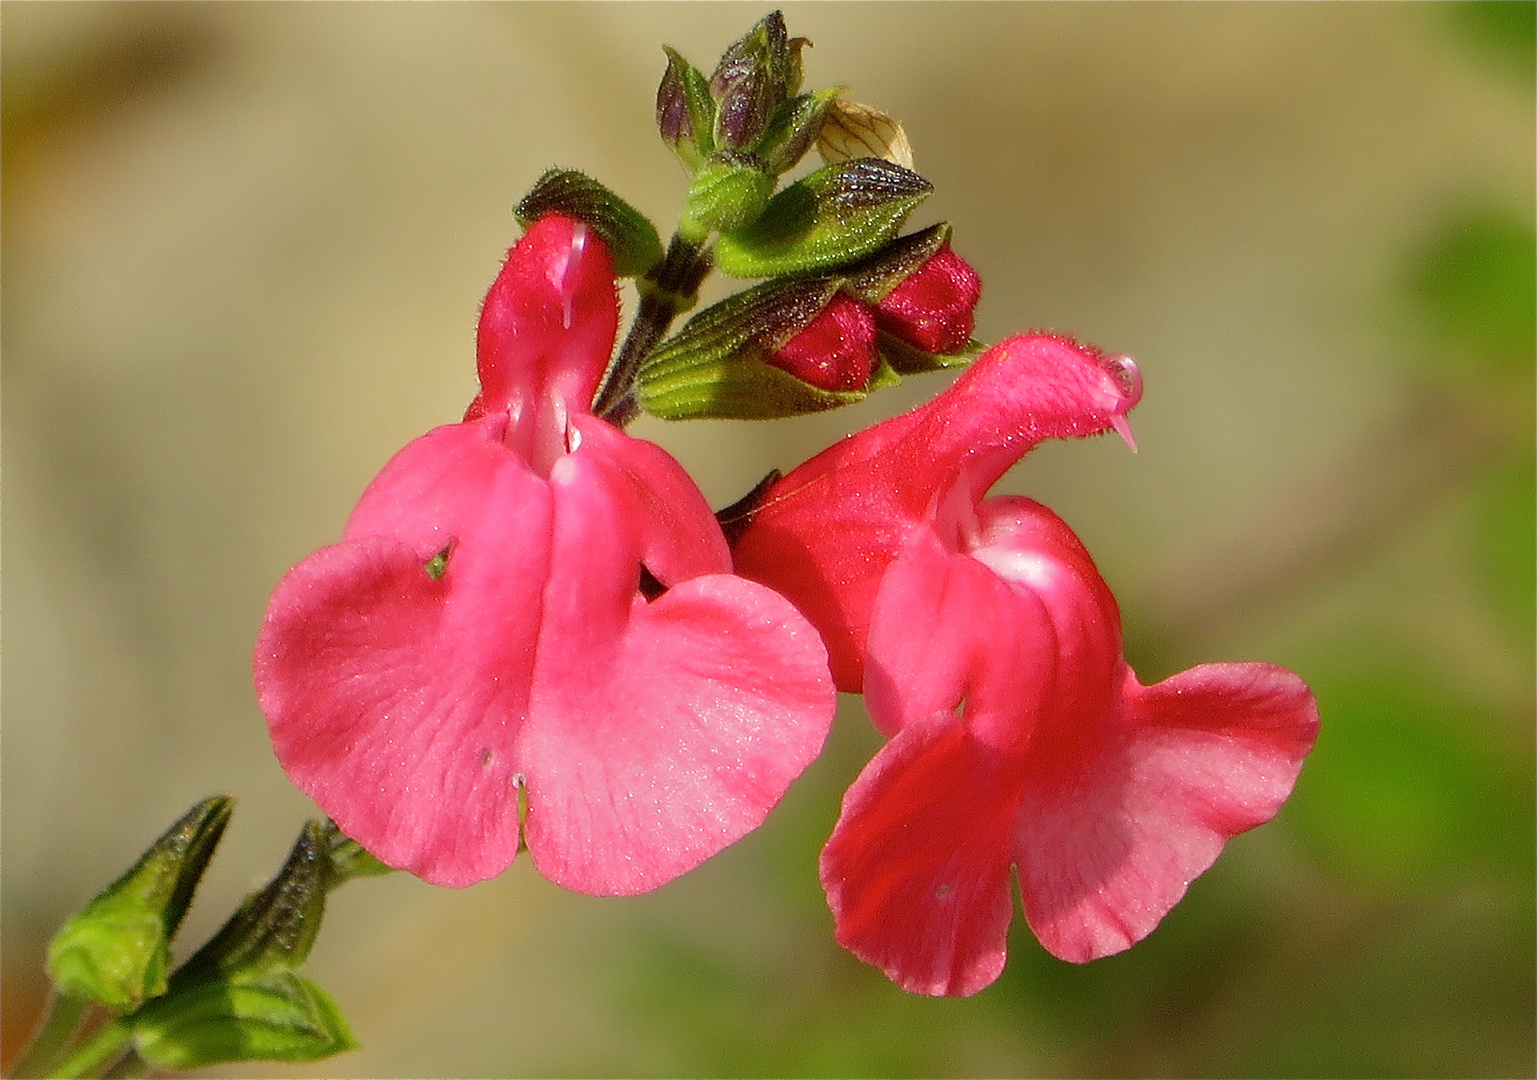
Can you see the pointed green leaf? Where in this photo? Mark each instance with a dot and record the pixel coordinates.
(908, 359)
(116, 951)
(629, 234)
(834, 216)
(274, 928)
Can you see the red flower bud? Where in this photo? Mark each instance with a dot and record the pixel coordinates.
(934, 308)
(836, 350)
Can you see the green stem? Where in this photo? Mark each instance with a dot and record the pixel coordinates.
(92, 1057)
(129, 1065)
(54, 1031)
(665, 293)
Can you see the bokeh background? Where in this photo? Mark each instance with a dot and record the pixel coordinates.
(244, 247)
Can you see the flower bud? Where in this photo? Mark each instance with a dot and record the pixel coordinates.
(753, 79)
(685, 112)
(783, 348)
(116, 951)
(935, 307)
(836, 351)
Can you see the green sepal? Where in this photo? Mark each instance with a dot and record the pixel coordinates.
(116, 951)
(631, 238)
(834, 216)
(275, 1016)
(878, 275)
(908, 359)
(685, 111)
(274, 928)
(349, 859)
(714, 367)
(729, 191)
(794, 127)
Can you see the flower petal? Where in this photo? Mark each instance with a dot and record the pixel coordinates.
(946, 629)
(826, 532)
(545, 334)
(917, 869)
(661, 732)
(1110, 839)
(393, 695)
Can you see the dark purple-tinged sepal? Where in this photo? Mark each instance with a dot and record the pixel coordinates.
(739, 359)
(836, 215)
(631, 238)
(685, 111)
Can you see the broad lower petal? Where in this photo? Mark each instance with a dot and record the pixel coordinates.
(661, 732)
(946, 629)
(917, 869)
(1115, 823)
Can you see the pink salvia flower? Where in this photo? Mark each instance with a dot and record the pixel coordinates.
(479, 635)
(989, 651)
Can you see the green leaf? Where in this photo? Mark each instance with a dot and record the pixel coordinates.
(794, 127)
(278, 1016)
(116, 951)
(836, 215)
(631, 238)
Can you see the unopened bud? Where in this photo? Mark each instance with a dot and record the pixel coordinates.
(116, 951)
(836, 351)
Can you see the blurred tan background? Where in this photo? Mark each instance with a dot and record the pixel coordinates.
(244, 248)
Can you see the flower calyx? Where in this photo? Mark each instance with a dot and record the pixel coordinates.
(632, 239)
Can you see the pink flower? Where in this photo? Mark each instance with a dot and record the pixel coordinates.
(835, 351)
(989, 651)
(935, 306)
(480, 635)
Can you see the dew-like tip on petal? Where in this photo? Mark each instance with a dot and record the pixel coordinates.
(1129, 377)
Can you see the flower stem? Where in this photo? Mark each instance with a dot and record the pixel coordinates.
(59, 1023)
(92, 1057)
(666, 292)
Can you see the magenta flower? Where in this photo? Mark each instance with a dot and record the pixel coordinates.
(989, 651)
(481, 636)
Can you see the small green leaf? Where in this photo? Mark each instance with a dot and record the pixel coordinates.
(908, 359)
(631, 238)
(795, 126)
(278, 1016)
(835, 216)
(116, 951)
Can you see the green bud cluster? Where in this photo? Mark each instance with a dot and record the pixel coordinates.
(238, 998)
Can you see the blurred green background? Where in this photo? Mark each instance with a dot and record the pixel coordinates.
(244, 247)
